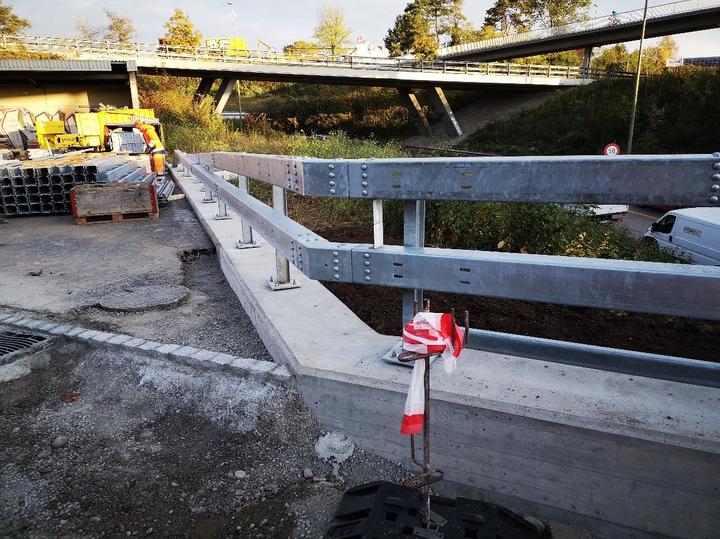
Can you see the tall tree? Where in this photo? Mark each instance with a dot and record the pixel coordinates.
(521, 15)
(655, 59)
(86, 31)
(10, 23)
(553, 13)
(180, 31)
(426, 21)
(119, 28)
(511, 15)
(331, 31)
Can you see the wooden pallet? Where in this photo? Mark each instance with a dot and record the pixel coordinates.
(114, 202)
(116, 217)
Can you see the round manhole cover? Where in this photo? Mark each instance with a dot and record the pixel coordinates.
(145, 298)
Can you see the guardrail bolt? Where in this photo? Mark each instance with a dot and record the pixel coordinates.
(332, 191)
(715, 188)
(364, 167)
(331, 183)
(364, 192)
(364, 184)
(716, 166)
(716, 177)
(331, 175)
(366, 255)
(713, 199)
(331, 167)
(364, 175)
(367, 278)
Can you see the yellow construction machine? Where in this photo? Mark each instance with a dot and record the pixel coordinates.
(103, 130)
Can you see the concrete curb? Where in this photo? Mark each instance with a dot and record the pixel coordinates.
(187, 355)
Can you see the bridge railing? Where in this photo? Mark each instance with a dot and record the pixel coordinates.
(83, 49)
(668, 289)
(609, 21)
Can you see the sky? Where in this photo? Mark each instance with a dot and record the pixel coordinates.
(279, 22)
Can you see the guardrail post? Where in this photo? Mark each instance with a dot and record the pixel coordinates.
(209, 195)
(378, 222)
(222, 213)
(281, 279)
(246, 231)
(413, 236)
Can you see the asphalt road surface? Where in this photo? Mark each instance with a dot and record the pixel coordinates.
(638, 219)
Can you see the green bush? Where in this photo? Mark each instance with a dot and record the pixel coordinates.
(677, 112)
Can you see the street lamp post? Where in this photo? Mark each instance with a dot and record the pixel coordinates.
(637, 81)
(237, 82)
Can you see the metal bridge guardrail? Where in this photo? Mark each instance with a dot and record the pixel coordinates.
(669, 289)
(610, 21)
(80, 49)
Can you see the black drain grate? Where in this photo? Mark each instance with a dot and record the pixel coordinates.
(13, 343)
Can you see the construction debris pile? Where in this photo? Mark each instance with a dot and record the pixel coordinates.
(43, 187)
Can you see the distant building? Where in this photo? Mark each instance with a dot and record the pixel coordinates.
(706, 61)
(366, 49)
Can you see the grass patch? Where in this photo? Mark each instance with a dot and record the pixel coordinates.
(676, 114)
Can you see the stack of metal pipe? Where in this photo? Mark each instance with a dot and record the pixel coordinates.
(29, 188)
(164, 188)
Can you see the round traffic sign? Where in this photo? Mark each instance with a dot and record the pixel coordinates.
(612, 149)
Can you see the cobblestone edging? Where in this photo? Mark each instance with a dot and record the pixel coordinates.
(188, 355)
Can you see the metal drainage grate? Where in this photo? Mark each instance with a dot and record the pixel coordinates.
(13, 343)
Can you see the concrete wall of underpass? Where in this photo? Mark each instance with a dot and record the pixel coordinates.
(52, 98)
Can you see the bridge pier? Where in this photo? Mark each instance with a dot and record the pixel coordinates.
(409, 99)
(223, 94)
(442, 107)
(134, 96)
(203, 89)
(587, 62)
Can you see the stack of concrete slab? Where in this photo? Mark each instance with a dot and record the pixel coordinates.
(43, 187)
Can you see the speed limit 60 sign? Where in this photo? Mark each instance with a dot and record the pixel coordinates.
(612, 149)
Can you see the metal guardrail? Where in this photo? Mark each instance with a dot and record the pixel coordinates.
(91, 50)
(617, 20)
(669, 289)
(687, 180)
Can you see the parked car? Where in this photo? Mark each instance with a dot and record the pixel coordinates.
(690, 233)
(604, 213)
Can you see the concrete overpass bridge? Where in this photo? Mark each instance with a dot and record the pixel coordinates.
(665, 19)
(212, 64)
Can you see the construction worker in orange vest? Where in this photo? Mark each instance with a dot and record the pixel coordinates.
(155, 146)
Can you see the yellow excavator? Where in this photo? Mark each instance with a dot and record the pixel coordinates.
(109, 130)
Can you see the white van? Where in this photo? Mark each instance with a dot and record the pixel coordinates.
(690, 233)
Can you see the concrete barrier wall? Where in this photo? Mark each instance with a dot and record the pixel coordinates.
(621, 456)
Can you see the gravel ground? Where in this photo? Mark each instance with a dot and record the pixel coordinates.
(108, 443)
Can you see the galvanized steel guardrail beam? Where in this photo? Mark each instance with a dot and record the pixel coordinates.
(669, 289)
(682, 180)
